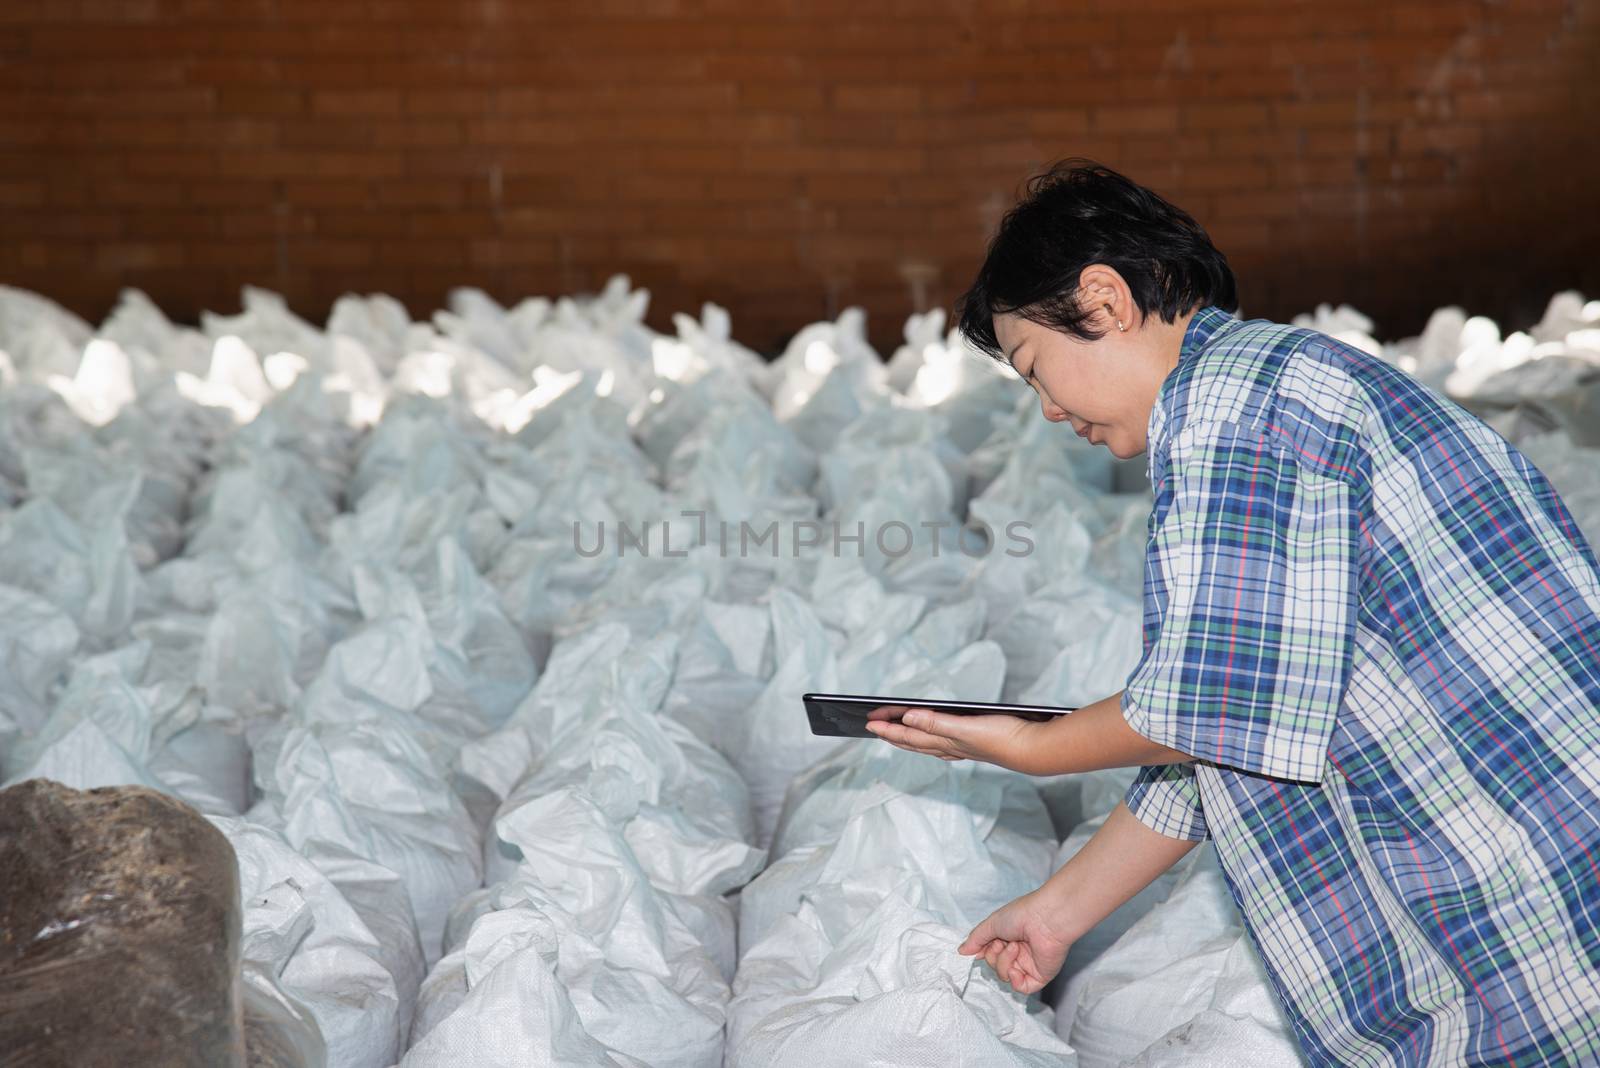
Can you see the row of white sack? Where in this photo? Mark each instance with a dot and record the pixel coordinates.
(605, 332)
(486, 352)
(485, 355)
(690, 430)
(1551, 370)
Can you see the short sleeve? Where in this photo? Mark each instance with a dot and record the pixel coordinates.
(1250, 587)
(1166, 798)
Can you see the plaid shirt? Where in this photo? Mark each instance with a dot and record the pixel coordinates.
(1377, 629)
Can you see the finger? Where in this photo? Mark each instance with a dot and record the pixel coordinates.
(899, 743)
(1008, 961)
(937, 724)
(992, 954)
(982, 934)
(886, 714)
(975, 946)
(903, 733)
(1025, 972)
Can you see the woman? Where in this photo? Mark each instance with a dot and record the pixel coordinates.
(1371, 666)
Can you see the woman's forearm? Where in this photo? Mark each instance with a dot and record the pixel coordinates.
(1119, 860)
(1092, 738)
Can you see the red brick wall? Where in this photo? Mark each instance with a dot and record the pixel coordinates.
(786, 157)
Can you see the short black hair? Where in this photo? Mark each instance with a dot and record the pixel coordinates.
(1076, 213)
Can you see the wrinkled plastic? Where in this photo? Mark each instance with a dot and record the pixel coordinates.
(617, 833)
(884, 863)
(1183, 972)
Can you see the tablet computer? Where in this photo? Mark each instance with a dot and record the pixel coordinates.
(840, 715)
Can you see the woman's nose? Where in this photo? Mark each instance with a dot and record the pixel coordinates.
(1051, 412)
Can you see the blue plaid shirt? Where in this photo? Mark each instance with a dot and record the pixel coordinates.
(1377, 629)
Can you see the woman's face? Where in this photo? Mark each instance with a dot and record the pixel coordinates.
(1104, 388)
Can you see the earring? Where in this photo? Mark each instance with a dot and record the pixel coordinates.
(1120, 326)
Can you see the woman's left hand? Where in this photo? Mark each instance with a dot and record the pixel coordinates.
(1025, 942)
(995, 738)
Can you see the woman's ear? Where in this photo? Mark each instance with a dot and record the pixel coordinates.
(1104, 296)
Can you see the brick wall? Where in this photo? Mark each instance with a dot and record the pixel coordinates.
(786, 157)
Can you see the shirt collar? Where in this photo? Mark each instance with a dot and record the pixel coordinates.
(1206, 322)
(1204, 326)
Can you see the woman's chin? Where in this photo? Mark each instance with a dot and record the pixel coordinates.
(1121, 449)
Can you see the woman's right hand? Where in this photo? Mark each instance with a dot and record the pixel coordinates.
(1006, 741)
(1025, 942)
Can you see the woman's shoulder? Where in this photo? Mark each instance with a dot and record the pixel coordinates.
(1236, 374)
(1291, 385)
